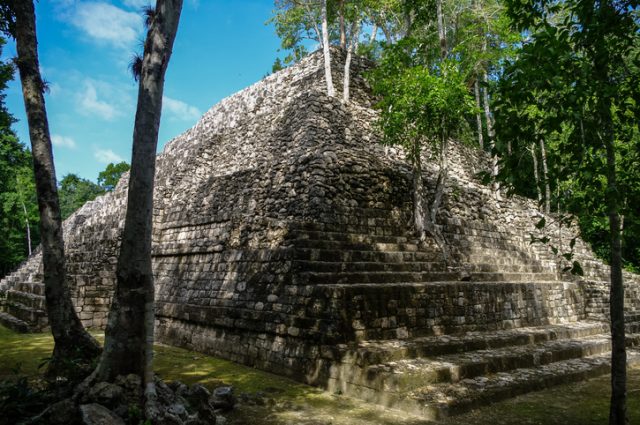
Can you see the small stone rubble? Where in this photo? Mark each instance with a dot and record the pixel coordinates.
(282, 240)
(116, 403)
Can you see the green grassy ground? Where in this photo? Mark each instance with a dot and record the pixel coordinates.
(288, 402)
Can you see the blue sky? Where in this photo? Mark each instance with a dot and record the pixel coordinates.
(85, 47)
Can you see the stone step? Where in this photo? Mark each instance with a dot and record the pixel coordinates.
(374, 352)
(30, 300)
(411, 374)
(346, 237)
(35, 287)
(367, 255)
(13, 323)
(354, 246)
(367, 266)
(492, 267)
(511, 277)
(36, 318)
(436, 401)
(329, 278)
(381, 277)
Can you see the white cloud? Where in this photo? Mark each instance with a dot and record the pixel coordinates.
(90, 103)
(105, 22)
(63, 141)
(54, 89)
(180, 110)
(107, 156)
(138, 4)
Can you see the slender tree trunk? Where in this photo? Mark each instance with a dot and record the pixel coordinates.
(353, 45)
(374, 33)
(431, 225)
(545, 178)
(70, 339)
(418, 190)
(490, 132)
(26, 221)
(618, 406)
(129, 334)
(326, 51)
(476, 90)
(442, 32)
(536, 174)
(343, 29)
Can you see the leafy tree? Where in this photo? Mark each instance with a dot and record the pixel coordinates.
(128, 345)
(109, 177)
(74, 192)
(579, 65)
(70, 337)
(421, 108)
(18, 207)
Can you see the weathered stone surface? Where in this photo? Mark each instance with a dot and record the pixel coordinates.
(223, 398)
(96, 414)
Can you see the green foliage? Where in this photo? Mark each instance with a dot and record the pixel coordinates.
(17, 187)
(420, 105)
(575, 86)
(109, 177)
(74, 192)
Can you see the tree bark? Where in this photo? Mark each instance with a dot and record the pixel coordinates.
(442, 32)
(545, 178)
(490, 132)
(374, 33)
(343, 29)
(71, 341)
(129, 334)
(353, 45)
(618, 406)
(26, 221)
(418, 189)
(536, 174)
(432, 227)
(326, 51)
(476, 90)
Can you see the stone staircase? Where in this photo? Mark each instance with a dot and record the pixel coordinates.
(440, 369)
(442, 375)
(22, 301)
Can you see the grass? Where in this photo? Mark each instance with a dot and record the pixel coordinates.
(289, 402)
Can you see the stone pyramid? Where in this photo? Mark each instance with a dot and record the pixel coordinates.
(282, 240)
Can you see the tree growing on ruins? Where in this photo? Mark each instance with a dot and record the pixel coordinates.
(128, 345)
(421, 108)
(580, 67)
(71, 339)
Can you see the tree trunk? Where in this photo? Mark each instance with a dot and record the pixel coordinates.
(418, 189)
(326, 51)
(71, 341)
(618, 406)
(442, 32)
(432, 227)
(490, 132)
(343, 29)
(545, 178)
(26, 221)
(476, 90)
(353, 45)
(374, 33)
(536, 174)
(129, 334)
